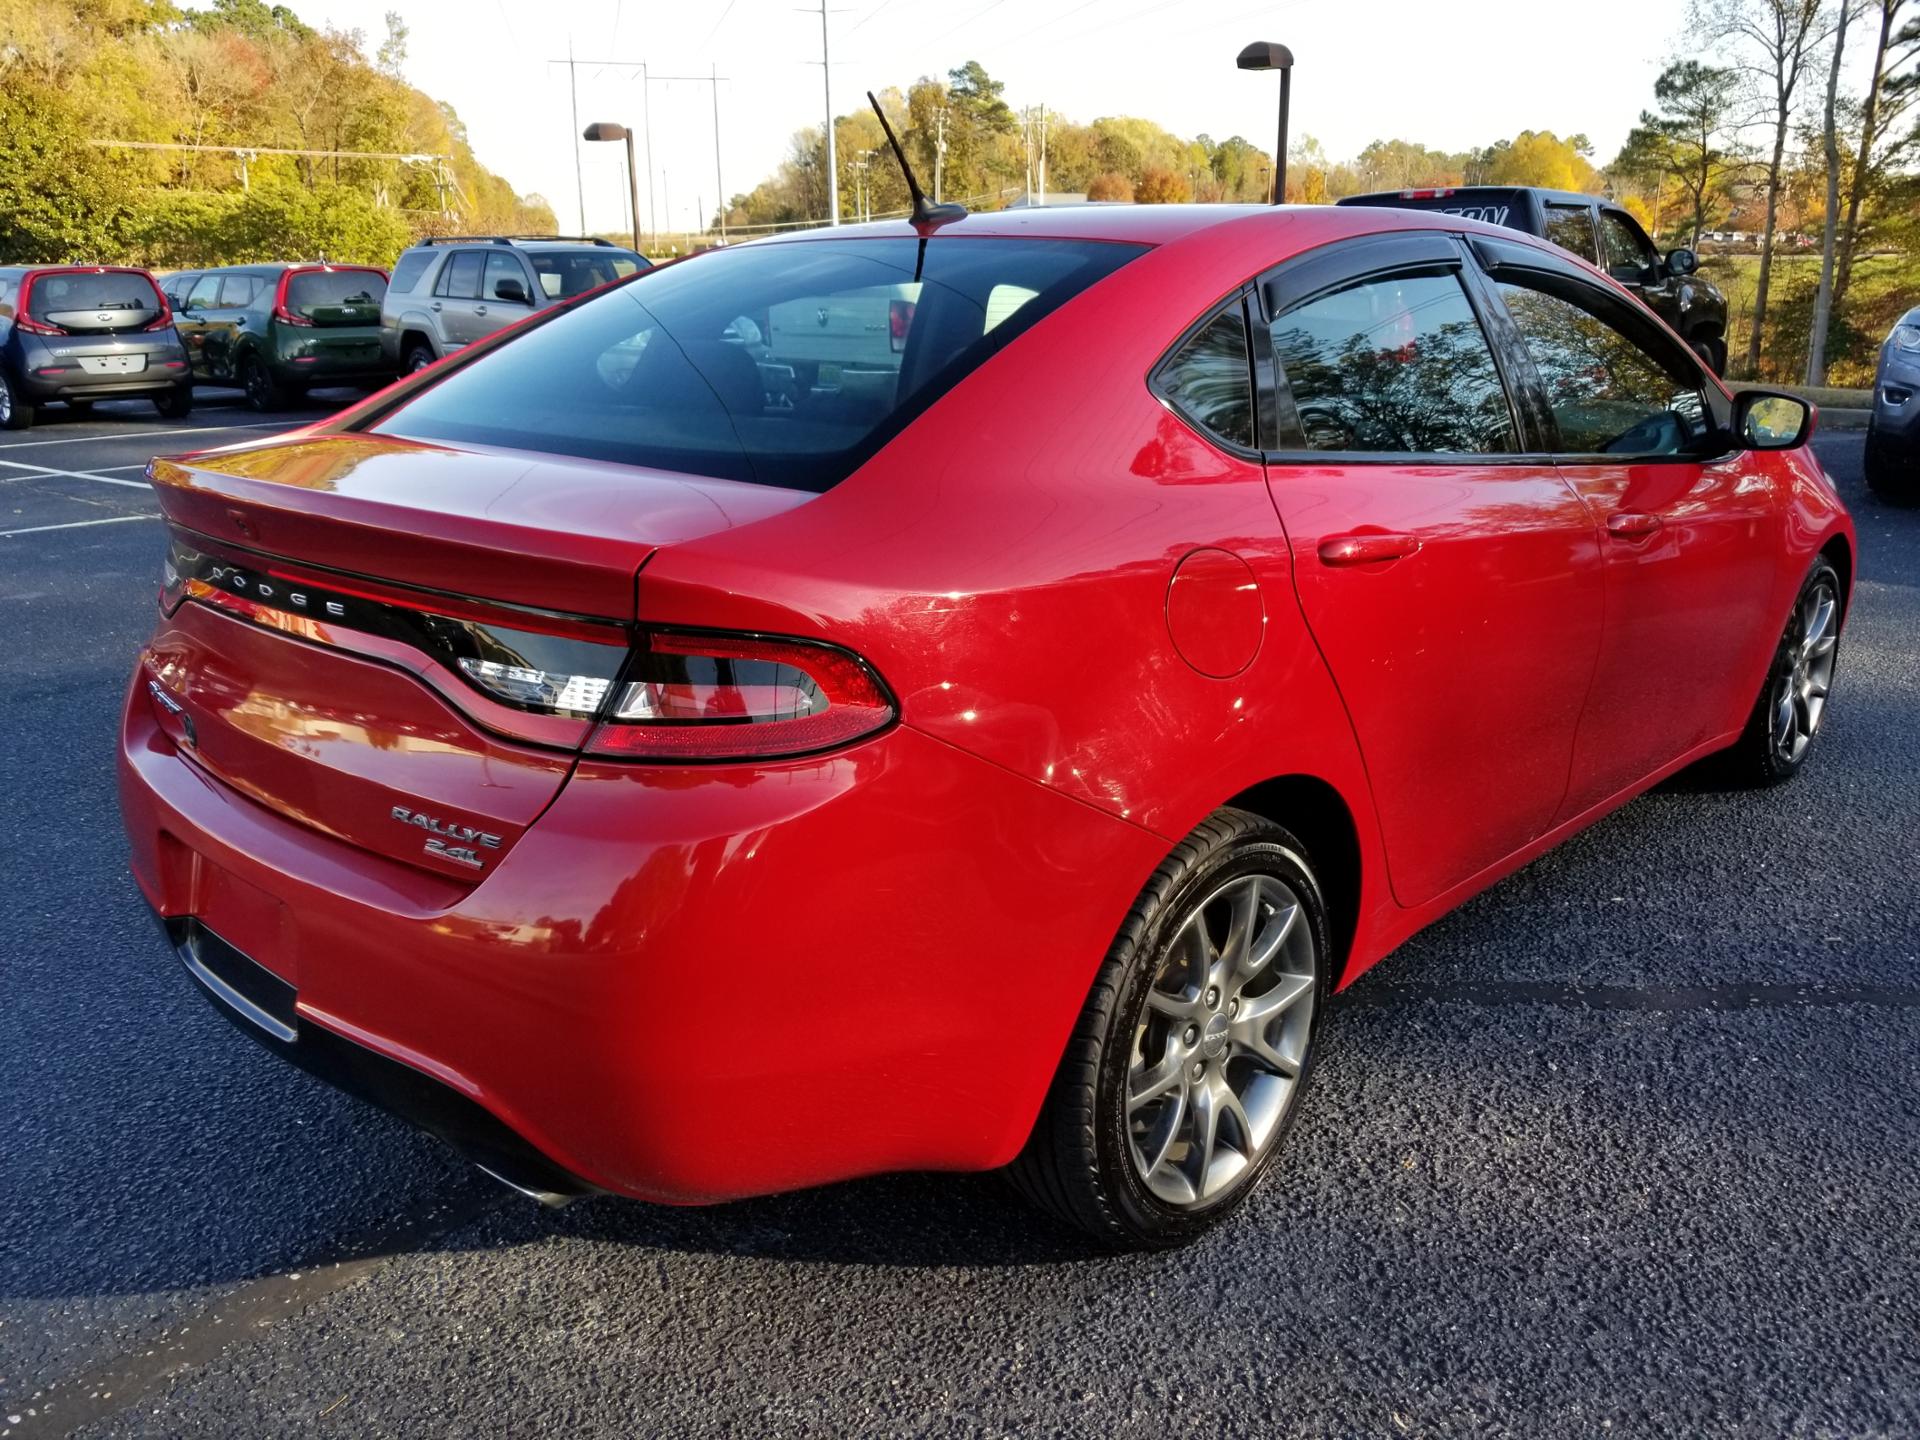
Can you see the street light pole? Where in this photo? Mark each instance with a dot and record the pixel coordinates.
(607, 130)
(1266, 55)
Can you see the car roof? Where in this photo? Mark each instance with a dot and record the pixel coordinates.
(1553, 197)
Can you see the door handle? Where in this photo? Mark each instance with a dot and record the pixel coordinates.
(479, 309)
(1632, 524)
(1367, 548)
(436, 305)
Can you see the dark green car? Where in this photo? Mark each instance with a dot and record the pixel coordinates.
(277, 331)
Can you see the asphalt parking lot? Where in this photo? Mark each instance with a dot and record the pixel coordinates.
(1629, 1146)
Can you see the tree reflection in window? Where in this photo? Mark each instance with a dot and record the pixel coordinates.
(1609, 396)
(1208, 381)
(1397, 365)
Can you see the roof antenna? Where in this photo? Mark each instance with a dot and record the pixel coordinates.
(925, 211)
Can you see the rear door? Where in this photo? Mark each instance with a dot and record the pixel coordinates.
(1451, 577)
(210, 325)
(456, 297)
(1690, 527)
(335, 314)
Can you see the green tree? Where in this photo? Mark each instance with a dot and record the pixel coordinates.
(1685, 138)
(58, 198)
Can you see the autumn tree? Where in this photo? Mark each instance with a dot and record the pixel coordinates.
(1162, 187)
(1685, 138)
(1111, 185)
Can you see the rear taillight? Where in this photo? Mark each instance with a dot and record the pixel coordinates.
(280, 310)
(36, 327)
(165, 322)
(287, 317)
(691, 696)
(899, 322)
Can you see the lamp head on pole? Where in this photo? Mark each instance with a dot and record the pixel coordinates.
(604, 130)
(1261, 55)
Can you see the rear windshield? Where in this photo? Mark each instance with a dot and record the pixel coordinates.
(785, 364)
(567, 273)
(1495, 207)
(53, 294)
(312, 290)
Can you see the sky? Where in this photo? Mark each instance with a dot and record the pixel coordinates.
(1445, 73)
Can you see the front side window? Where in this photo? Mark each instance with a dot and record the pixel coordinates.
(785, 364)
(501, 267)
(206, 293)
(1609, 395)
(238, 290)
(1571, 228)
(1208, 381)
(1626, 248)
(1394, 365)
(567, 273)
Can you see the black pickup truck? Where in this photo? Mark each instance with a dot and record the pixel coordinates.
(1600, 233)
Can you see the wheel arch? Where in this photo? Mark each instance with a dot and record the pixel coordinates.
(1838, 552)
(1320, 817)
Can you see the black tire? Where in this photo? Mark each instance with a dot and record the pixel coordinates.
(1078, 1163)
(176, 404)
(1757, 759)
(1891, 475)
(264, 391)
(419, 356)
(16, 412)
(1712, 353)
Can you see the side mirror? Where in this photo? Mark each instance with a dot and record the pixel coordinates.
(1682, 261)
(1772, 420)
(510, 289)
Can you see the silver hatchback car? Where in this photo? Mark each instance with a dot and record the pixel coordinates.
(449, 291)
(74, 334)
(1893, 434)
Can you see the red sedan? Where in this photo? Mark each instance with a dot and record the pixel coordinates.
(952, 699)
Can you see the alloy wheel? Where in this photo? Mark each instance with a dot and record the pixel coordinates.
(1803, 676)
(1221, 1041)
(6, 401)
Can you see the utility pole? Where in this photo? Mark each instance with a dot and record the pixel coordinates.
(939, 149)
(719, 185)
(647, 77)
(1043, 154)
(826, 81)
(579, 181)
(646, 119)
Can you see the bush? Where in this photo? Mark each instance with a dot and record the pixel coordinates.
(1110, 186)
(173, 229)
(57, 202)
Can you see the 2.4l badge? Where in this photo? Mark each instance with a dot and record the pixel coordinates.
(459, 843)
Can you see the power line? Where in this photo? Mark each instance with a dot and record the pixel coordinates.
(871, 14)
(718, 23)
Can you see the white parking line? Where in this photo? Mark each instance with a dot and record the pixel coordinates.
(143, 434)
(49, 472)
(75, 525)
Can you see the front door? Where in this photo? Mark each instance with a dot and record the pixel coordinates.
(1689, 525)
(1452, 580)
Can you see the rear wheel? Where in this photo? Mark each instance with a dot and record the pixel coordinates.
(176, 404)
(419, 356)
(1712, 353)
(1184, 1074)
(15, 412)
(1793, 701)
(264, 392)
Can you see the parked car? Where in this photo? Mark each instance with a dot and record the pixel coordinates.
(71, 335)
(277, 331)
(659, 786)
(1602, 234)
(449, 291)
(1893, 431)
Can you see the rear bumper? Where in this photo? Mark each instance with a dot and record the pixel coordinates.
(42, 390)
(263, 1007)
(684, 984)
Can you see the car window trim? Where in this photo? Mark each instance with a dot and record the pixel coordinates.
(1491, 257)
(1157, 374)
(1338, 266)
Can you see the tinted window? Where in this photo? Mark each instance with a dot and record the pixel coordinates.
(1623, 243)
(566, 273)
(787, 364)
(175, 288)
(239, 289)
(311, 291)
(57, 293)
(502, 267)
(205, 294)
(1396, 365)
(407, 273)
(1208, 380)
(1571, 228)
(460, 280)
(1608, 394)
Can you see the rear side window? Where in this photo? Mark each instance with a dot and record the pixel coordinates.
(1609, 395)
(1571, 228)
(1208, 380)
(1395, 365)
(407, 273)
(239, 289)
(785, 364)
(311, 291)
(460, 277)
(564, 274)
(57, 294)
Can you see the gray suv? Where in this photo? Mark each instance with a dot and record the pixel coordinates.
(1893, 434)
(74, 334)
(448, 291)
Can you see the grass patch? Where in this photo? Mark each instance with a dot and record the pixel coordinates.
(1884, 287)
